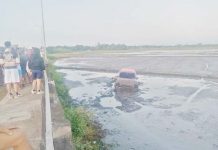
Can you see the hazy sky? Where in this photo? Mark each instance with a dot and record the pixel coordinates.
(133, 22)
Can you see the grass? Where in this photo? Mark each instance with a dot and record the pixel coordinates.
(2, 92)
(86, 134)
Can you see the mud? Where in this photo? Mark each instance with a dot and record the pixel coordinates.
(181, 63)
(164, 114)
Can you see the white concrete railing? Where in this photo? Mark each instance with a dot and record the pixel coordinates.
(49, 145)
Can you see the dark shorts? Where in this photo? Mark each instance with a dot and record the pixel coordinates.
(37, 74)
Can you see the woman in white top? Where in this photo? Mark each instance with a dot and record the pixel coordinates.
(11, 74)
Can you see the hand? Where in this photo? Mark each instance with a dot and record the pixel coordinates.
(29, 72)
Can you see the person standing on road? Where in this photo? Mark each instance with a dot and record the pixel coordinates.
(36, 65)
(17, 56)
(11, 74)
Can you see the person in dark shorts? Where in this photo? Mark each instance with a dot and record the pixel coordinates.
(37, 66)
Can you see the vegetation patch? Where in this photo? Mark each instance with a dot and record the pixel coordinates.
(86, 133)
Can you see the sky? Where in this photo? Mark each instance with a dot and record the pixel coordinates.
(88, 22)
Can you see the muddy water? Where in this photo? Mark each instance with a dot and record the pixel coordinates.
(164, 114)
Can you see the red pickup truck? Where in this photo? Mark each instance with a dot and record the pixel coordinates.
(127, 78)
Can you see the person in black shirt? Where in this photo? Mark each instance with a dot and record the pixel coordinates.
(36, 65)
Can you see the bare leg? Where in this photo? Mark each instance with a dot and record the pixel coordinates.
(17, 141)
(26, 80)
(9, 88)
(16, 87)
(39, 81)
(22, 82)
(30, 77)
(34, 85)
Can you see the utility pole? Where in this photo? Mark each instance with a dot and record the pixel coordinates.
(49, 143)
(43, 32)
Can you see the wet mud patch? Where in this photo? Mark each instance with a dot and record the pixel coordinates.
(190, 115)
(73, 84)
(107, 92)
(182, 91)
(86, 74)
(165, 106)
(145, 119)
(109, 102)
(100, 80)
(167, 113)
(128, 98)
(128, 106)
(208, 93)
(148, 101)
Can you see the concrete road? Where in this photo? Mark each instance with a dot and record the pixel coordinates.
(25, 113)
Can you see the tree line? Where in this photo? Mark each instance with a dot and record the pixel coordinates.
(54, 49)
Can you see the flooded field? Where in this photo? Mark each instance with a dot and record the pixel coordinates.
(186, 63)
(166, 113)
